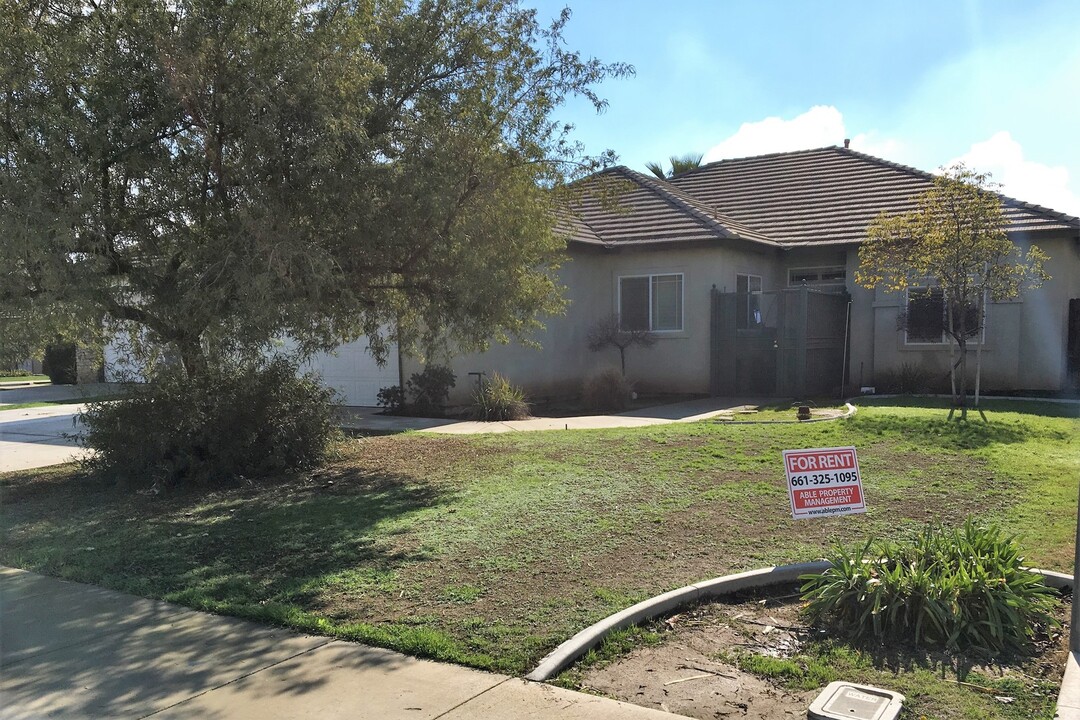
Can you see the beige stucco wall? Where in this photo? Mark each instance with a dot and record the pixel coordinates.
(1024, 346)
(678, 362)
(1025, 340)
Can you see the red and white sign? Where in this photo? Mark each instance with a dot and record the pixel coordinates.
(824, 482)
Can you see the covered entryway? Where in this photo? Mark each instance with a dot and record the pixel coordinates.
(352, 371)
(787, 343)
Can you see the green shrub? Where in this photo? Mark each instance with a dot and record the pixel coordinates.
(430, 389)
(908, 379)
(963, 589)
(17, 372)
(60, 365)
(245, 421)
(497, 399)
(392, 399)
(607, 390)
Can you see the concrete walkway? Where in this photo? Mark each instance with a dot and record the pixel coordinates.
(35, 437)
(370, 419)
(77, 651)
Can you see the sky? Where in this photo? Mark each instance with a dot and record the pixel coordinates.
(995, 84)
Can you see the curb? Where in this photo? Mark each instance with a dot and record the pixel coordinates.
(579, 644)
(591, 636)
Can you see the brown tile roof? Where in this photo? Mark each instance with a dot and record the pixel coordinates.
(822, 196)
(619, 206)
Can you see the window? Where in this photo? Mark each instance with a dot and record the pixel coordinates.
(747, 302)
(832, 275)
(927, 319)
(651, 302)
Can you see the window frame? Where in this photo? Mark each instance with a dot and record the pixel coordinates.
(819, 270)
(945, 338)
(652, 320)
(759, 292)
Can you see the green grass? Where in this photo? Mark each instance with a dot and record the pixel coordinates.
(23, 378)
(933, 687)
(489, 550)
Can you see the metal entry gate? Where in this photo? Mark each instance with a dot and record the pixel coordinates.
(787, 343)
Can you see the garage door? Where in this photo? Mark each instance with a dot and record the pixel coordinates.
(353, 372)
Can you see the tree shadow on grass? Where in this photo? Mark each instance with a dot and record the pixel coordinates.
(946, 435)
(263, 551)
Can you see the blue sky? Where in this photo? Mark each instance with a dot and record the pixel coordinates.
(922, 83)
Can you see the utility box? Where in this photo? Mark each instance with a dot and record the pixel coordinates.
(847, 701)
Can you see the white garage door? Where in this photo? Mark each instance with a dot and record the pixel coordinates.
(353, 372)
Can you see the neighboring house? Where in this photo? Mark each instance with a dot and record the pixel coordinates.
(744, 269)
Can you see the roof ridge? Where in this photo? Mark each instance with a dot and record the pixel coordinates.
(690, 205)
(762, 156)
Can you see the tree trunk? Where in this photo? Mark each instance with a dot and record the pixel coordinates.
(978, 351)
(961, 342)
(952, 356)
(963, 377)
(192, 358)
(622, 359)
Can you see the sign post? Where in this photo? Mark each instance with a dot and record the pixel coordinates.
(824, 482)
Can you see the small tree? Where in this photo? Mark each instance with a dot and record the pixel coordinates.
(955, 239)
(608, 332)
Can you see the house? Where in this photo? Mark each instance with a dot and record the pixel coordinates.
(744, 271)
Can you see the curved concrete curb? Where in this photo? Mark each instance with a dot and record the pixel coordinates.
(576, 646)
(591, 636)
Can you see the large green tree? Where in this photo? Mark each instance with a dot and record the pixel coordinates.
(220, 173)
(956, 241)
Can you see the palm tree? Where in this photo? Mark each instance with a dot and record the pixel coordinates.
(679, 165)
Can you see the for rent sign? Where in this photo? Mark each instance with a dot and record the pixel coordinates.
(824, 482)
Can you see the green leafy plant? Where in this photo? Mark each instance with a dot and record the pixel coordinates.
(607, 390)
(60, 364)
(498, 399)
(229, 422)
(907, 379)
(964, 588)
(391, 398)
(429, 390)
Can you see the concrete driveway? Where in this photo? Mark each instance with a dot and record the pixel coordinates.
(34, 437)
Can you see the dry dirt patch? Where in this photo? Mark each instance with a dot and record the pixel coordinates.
(695, 670)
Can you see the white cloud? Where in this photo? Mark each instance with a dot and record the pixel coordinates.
(819, 126)
(823, 125)
(1023, 179)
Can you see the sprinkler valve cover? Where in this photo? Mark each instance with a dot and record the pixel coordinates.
(840, 700)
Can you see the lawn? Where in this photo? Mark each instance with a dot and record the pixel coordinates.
(490, 550)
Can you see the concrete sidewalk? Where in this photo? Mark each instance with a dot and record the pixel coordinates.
(370, 419)
(77, 651)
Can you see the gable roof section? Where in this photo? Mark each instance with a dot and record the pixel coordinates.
(624, 208)
(827, 196)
